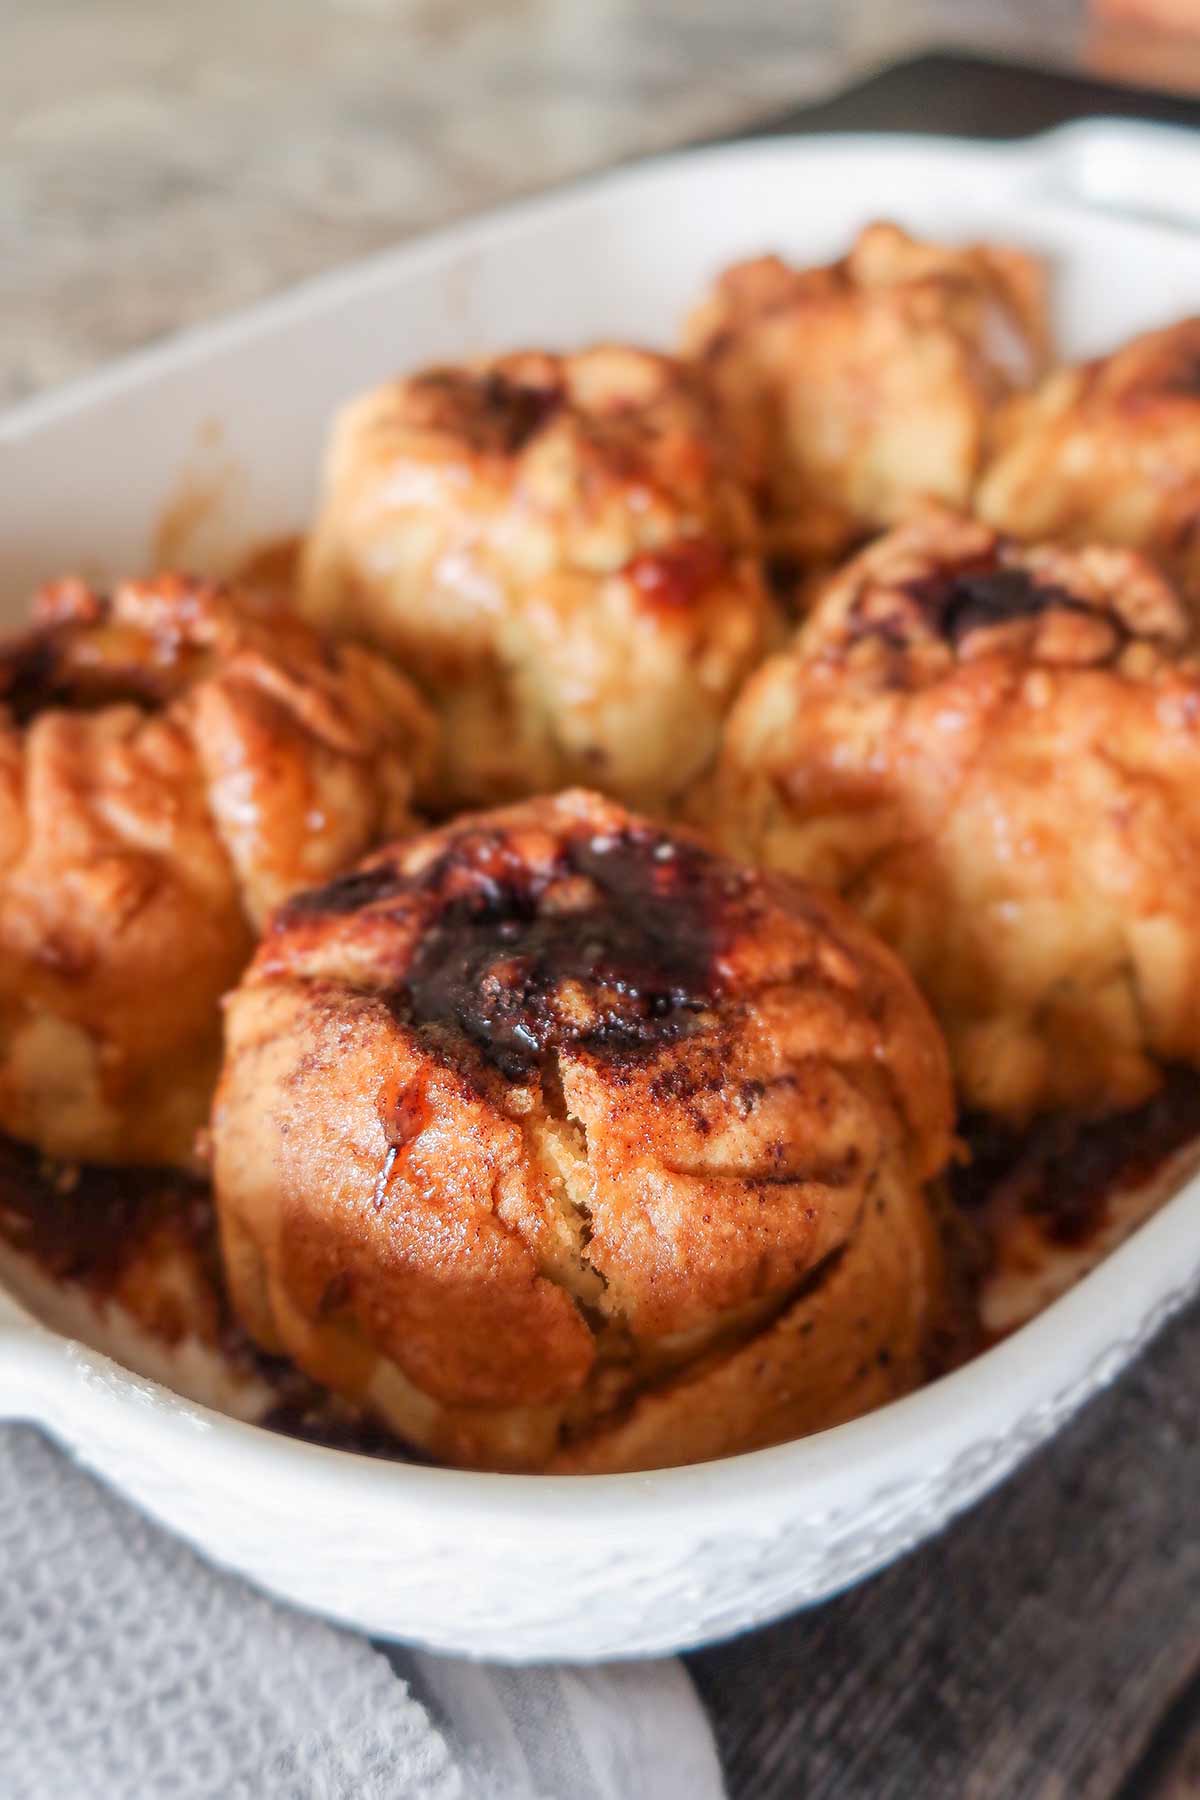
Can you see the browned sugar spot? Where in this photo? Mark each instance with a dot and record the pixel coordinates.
(785, 574)
(1182, 373)
(613, 947)
(28, 677)
(75, 656)
(497, 415)
(345, 894)
(956, 604)
(513, 413)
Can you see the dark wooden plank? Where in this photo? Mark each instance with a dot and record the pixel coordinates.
(1180, 1782)
(1169, 1767)
(1183, 1783)
(1030, 1651)
(968, 95)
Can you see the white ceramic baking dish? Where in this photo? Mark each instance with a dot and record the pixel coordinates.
(221, 432)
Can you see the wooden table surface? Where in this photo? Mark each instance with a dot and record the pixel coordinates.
(1047, 1645)
(165, 163)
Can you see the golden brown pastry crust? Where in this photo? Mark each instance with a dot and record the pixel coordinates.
(994, 753)
(1108, 452)
(525, 1115)
(560, 550)
(863, 387)
(171, 767)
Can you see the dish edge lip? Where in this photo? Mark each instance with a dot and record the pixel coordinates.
(1105, 1310)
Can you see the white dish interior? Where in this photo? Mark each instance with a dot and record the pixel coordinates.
(214, 440)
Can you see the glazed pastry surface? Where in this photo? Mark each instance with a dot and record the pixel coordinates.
(993, 752)
(563, 552)
(541, 1120)
(1108, 451)
(171, 767)
(862, 387)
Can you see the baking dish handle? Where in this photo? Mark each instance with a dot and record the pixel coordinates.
(1146, 172)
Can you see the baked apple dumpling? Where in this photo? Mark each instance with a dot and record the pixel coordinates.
(1108, 452)
(557, 1141)
(171, 767)
(562, 553)
(859, 388)
(993, 752)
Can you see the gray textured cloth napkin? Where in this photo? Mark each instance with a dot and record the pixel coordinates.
(131, 1670)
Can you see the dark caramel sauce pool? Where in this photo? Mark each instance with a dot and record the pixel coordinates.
(106, 1230)
(1064, 1169)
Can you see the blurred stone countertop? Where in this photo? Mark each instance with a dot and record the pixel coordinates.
(165, 163)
